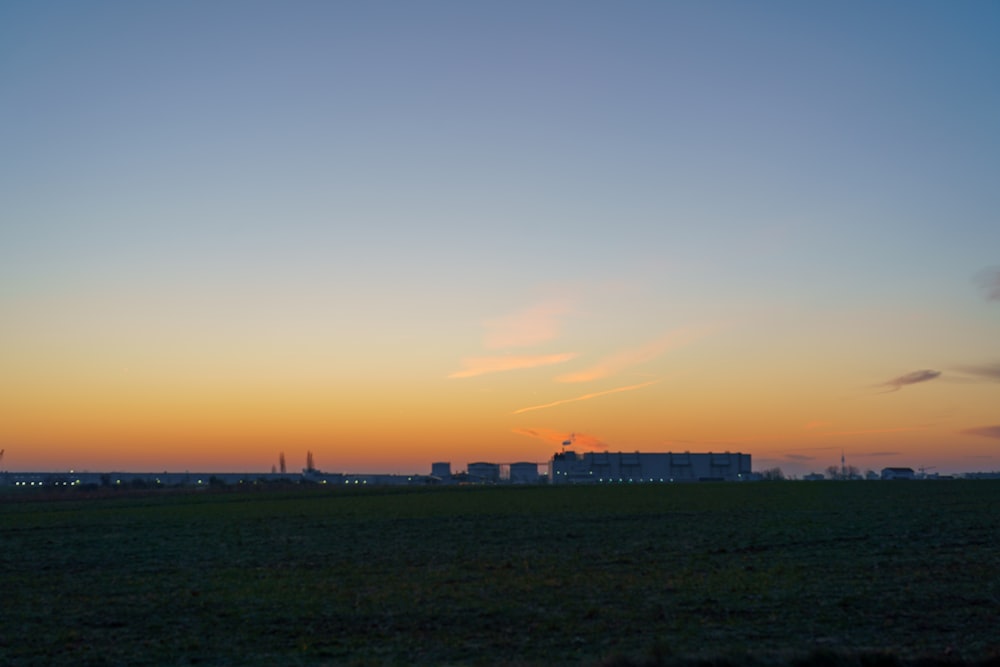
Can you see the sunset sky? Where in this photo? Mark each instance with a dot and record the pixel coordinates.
(392, 233)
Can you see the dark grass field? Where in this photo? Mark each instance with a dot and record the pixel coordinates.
(770, 573)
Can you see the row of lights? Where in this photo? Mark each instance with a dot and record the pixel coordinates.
(77, 482)
(73, 483)
(118, 481)
(621, 480)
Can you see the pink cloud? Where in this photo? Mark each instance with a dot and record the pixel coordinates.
(579, 440)
(474, 366)
(624, 359)
(534, 325)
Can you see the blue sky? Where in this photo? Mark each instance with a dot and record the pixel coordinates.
(351, 192)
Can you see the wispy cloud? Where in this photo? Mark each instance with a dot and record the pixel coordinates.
(984, 431)
(733, 442)
(915, 377)
(624, 359)
(538, 324)
(815, 424)
(989, 282)
(986, 371)
(579, 440)
(474, 366)
(874, 431)
(586, 397)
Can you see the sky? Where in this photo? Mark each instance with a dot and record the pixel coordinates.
(392, 233)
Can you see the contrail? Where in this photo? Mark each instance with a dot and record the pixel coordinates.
(482, 365)
(585, 397)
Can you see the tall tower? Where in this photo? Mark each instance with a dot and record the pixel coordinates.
(843, 466)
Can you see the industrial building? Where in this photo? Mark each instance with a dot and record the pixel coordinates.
(441, 470)
(484, 473)
(569, 467)
(524, 473)
(566, 467)
(898, 473)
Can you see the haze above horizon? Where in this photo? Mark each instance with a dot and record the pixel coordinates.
(396, 233)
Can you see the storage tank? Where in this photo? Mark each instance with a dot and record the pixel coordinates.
(484, 473)
(524, 473)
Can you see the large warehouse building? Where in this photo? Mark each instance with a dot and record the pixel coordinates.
(569, 467)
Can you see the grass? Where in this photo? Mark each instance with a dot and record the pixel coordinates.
(768, 573)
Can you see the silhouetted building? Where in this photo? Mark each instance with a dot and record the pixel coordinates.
(484, 473)
(602, 467)
(524, 473)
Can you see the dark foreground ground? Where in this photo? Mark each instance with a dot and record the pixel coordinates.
(842, 573)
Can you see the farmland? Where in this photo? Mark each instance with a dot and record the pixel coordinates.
(766, 573)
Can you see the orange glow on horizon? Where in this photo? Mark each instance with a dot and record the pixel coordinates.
(403, 413)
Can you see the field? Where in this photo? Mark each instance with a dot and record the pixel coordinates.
(765, 573)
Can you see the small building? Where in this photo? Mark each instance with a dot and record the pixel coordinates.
(898, 473)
